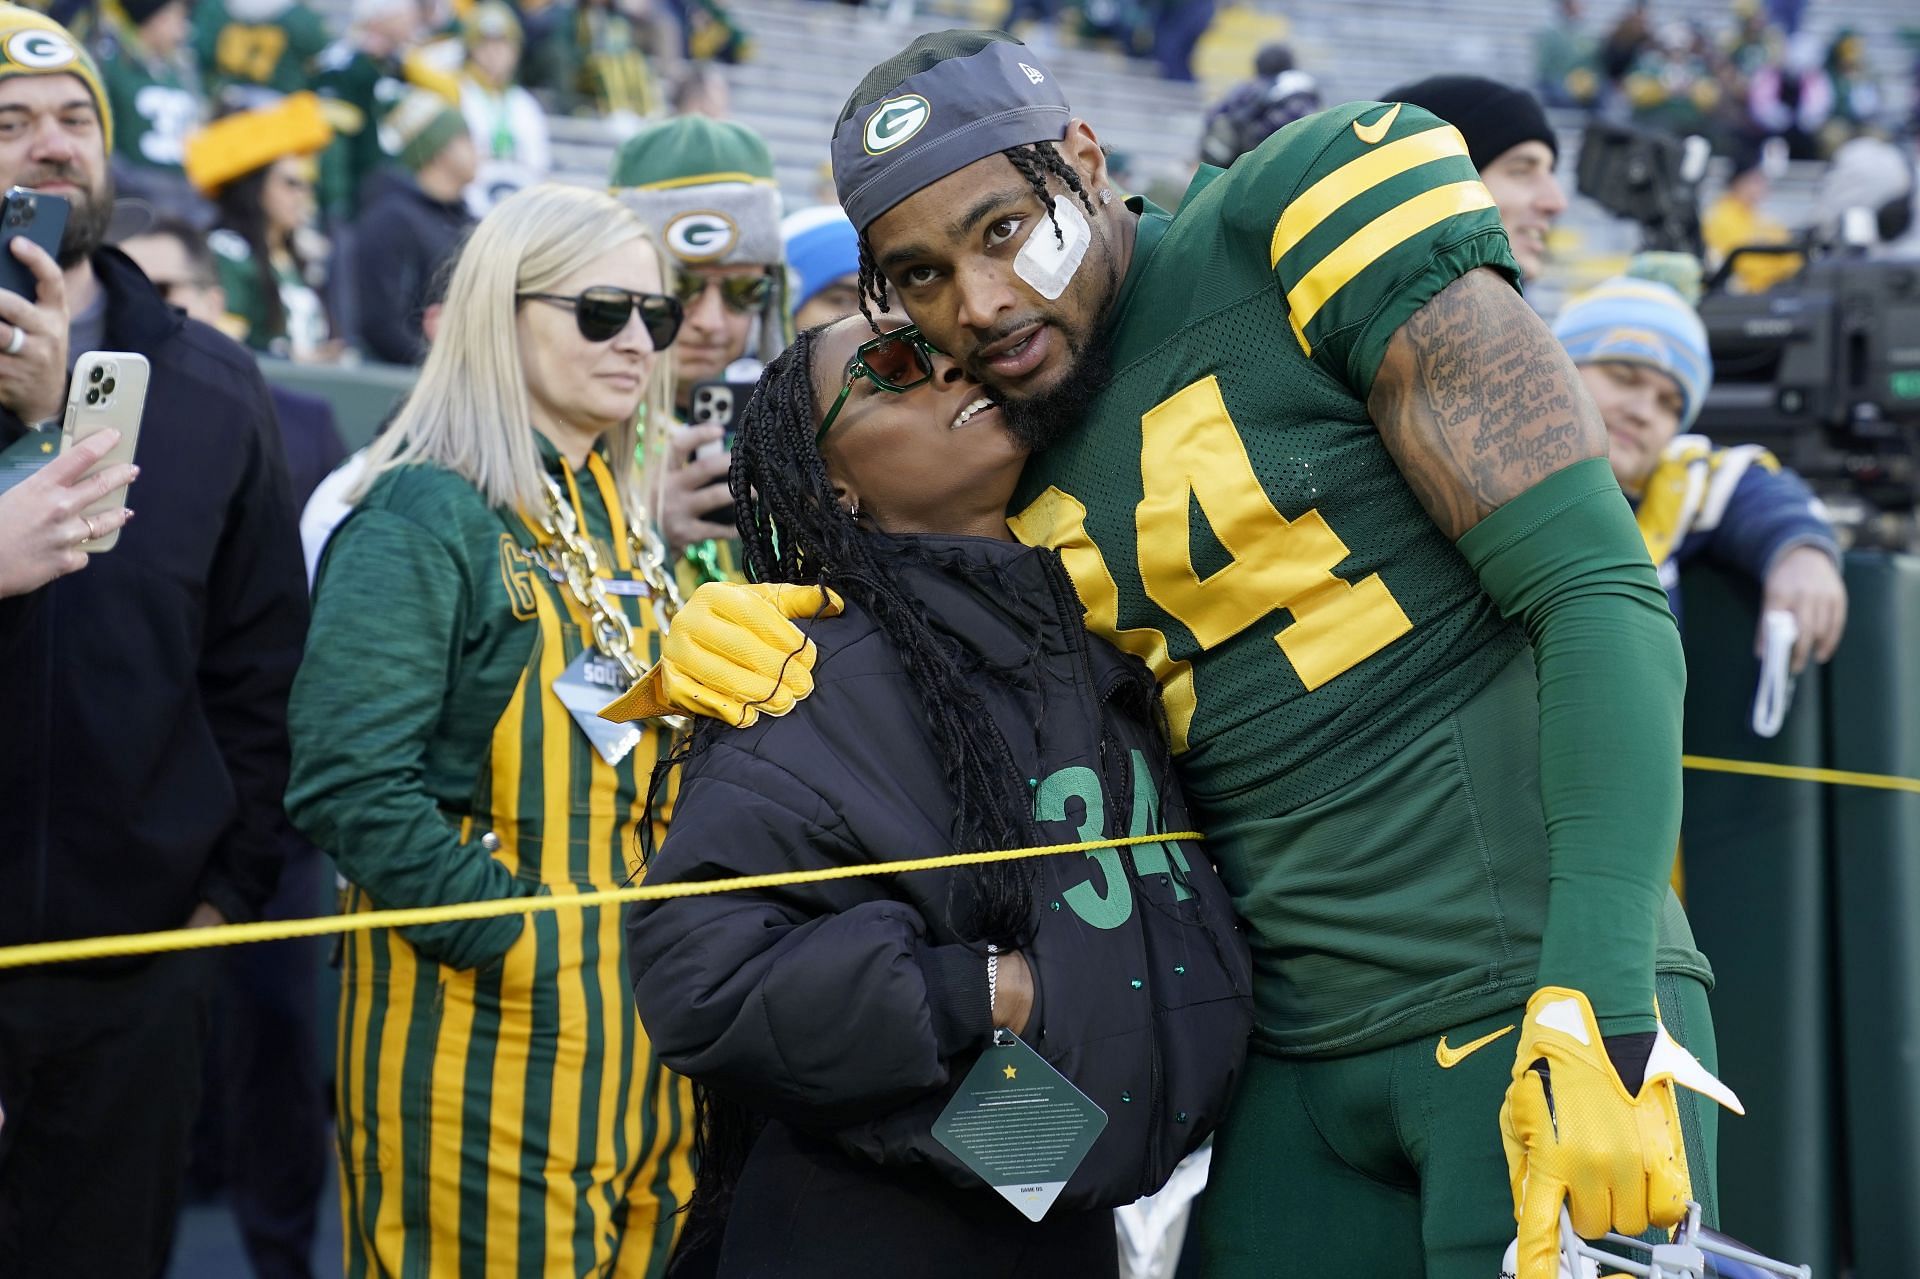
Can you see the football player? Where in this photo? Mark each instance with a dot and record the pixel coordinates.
(1304, 449)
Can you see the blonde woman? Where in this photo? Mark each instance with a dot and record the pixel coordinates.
(500, 1111)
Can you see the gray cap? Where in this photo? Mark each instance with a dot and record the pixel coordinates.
(946, 100)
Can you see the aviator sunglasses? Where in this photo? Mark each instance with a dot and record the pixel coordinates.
(741, 294)
(602, 312)
(893, 362)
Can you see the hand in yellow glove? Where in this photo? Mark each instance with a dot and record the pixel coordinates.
(1574, 1134)
(731, 654)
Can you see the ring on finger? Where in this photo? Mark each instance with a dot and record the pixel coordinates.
(92, 536)
(18, 341)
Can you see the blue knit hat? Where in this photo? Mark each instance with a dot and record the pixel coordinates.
(822, 247)
(1640, 322)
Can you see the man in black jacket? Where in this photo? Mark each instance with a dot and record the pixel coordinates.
(143, 746)
(413, 229)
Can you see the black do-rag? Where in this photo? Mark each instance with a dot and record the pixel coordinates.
(946, 100)
(1492, 117)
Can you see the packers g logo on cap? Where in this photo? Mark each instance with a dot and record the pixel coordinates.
(40, 50)
(894, 121)
(701, 236)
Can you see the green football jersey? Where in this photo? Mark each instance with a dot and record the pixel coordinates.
(155, 104)
(274, 55)
(1226, 507)
(357, 91)
(1357, 727)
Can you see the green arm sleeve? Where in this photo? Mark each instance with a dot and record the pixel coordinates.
(386, 624)
(1566, 559)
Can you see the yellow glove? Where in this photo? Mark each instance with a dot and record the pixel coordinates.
(731, 653)
(1574, 1134)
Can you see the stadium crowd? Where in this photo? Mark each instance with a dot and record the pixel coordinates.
(391, 670)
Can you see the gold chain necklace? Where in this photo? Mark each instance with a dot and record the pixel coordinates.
(572, 558)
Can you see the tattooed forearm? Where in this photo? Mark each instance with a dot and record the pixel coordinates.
(1477, 402)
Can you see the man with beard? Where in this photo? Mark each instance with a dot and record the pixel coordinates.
(143, 745)
(1309, 455)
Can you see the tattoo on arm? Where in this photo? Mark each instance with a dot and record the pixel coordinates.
(1477, 402)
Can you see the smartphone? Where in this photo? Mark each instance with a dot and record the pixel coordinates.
(721, 402)
(109, 390)
(39, 217)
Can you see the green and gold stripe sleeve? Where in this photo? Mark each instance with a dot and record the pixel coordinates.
(1389, 212)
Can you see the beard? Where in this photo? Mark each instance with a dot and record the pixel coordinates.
(89, 215)
(1043, 420)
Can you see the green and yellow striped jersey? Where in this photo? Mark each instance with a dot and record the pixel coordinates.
(1227, 509)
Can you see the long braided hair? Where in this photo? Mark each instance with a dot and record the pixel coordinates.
(1035, 161)
(792, 529)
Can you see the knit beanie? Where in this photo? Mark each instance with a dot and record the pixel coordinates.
(707, 187)
(34, 44)
(945, 101)
(138, 11)
(1631, 321)
(419, 128)
(822, 247)
(1492, 117)
(490, 20)
(236, 145)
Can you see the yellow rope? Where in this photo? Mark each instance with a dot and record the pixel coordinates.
(1797, 773)
(57, 952)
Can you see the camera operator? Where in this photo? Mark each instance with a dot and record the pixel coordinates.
(143, 748)
(1642, 353)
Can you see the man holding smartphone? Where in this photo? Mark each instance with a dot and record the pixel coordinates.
(708, 187)
(143, 746)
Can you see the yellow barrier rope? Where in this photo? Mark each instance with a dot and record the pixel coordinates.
(58, 952)
(1798, 773)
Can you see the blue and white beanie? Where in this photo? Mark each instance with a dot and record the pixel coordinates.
(1634, 321)
(821, 247)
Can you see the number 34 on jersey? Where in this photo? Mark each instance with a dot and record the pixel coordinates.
(1191, 453)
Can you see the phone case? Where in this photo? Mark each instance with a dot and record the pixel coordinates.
(40, 218)
(109, 390)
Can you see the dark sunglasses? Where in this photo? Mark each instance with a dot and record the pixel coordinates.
(741, 294)
(893, 362)
(602, 312)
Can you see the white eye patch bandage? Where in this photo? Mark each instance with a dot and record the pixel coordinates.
(1047, 262)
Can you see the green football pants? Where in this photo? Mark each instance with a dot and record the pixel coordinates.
(1388, 1165)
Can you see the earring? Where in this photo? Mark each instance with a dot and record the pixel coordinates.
(853, 511)
(1106, 195)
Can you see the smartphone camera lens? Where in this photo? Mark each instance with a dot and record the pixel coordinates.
(97, 374)
(93, 395)
(107, 386)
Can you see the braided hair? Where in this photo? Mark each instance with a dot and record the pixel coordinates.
(792, 529)
(1036, 162)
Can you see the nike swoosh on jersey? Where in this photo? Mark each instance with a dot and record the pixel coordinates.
(1451, 1057)
(1372, 133)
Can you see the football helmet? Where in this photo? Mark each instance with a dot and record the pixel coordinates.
(1694, 1253)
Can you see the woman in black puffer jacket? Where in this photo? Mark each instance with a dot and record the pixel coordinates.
(959, 704)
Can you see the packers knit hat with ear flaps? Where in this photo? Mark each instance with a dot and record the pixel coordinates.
(1492, 117)
(707, 186)
(946, 100)
(235, 145)
(34, 44)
